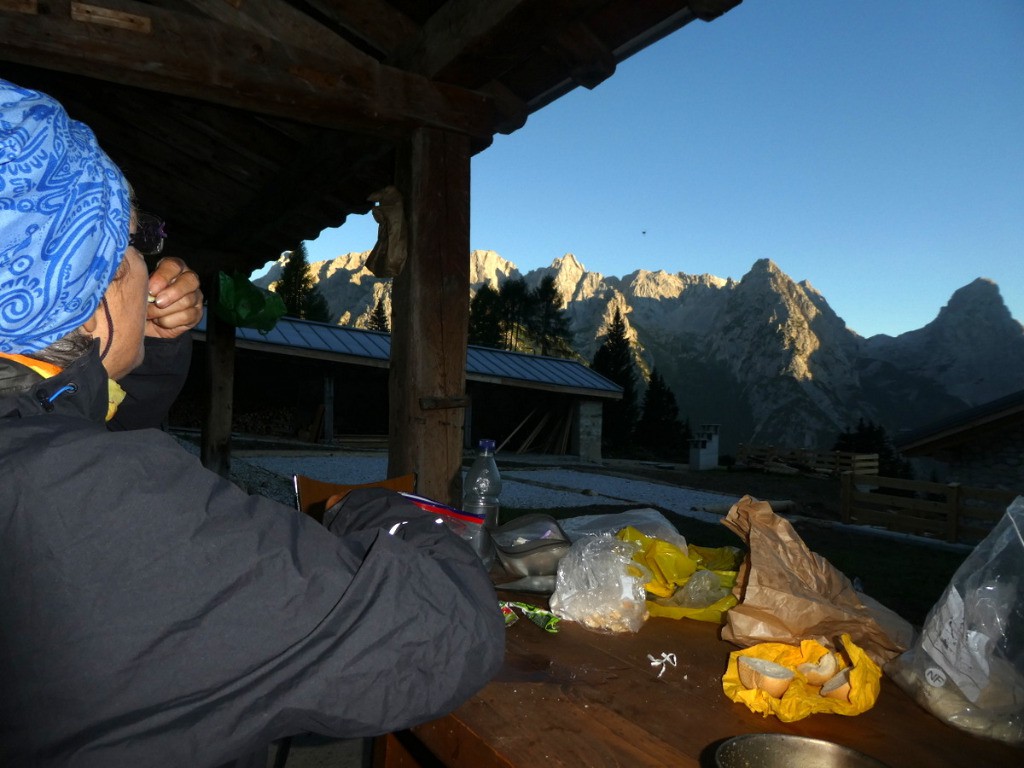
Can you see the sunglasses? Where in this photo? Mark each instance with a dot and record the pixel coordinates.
(149, 235)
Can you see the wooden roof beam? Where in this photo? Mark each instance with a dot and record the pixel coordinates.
(269, 18)
(376, 22)
(190, 56)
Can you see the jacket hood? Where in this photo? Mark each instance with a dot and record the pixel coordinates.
(79, 390)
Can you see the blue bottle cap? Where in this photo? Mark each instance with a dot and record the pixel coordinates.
(486, 445)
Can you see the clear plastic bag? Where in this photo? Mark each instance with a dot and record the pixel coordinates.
(600, 586)
(967, 666)
(702, 589)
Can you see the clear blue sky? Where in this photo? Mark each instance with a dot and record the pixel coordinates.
(875, 149)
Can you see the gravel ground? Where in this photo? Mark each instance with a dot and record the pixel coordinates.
(522, 488)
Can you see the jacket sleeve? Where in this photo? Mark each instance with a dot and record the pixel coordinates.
(151, 388)
(196, 620)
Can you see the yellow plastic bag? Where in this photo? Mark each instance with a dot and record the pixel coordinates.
(669, 565)
(801, 698)
(671, 569)
(713, 613)
(719, 559)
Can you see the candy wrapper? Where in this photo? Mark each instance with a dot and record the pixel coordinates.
(546, 620)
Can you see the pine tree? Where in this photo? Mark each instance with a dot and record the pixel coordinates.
(297, 289)
(659, 428)
(316, 307)
(515, 307)
(485, 318)
(379, 319)
(550, 328)
(614, 359)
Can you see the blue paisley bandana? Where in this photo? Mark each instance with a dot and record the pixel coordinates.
(64, 219)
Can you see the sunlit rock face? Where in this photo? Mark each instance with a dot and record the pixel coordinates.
(765, 357)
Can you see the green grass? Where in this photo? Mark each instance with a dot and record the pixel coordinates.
(905, 576)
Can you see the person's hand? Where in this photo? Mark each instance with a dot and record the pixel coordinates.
(176, 302)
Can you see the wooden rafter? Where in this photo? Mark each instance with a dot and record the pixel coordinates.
(375, 22)
(459, 24)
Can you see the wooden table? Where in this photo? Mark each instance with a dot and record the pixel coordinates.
(583, 699)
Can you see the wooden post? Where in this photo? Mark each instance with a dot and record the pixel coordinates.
(215, 452)
(430, 313)
(328, 428)
(846, 496)
(954, 498)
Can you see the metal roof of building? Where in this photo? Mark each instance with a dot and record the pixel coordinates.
(361, 347)
(958, 427)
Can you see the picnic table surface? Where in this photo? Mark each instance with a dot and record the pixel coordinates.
(583, 698)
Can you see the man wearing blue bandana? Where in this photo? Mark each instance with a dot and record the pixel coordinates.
(71, 199)
(152, 613)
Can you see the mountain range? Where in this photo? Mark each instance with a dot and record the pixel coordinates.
(764, 357)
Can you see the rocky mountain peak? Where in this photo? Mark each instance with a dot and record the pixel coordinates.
(973, 348)
(490, 268)
(568, 264)
(977, 302)
(765, 269)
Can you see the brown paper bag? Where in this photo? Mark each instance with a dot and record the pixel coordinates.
(788, 593)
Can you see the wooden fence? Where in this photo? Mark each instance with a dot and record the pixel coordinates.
(953, 512)
(795, 460)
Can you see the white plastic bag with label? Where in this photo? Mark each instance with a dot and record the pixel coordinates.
(967, 666)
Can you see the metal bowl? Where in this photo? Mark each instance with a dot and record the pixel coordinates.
(530, 545)
(779, 750)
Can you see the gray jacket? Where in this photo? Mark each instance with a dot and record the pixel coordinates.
(153, 614)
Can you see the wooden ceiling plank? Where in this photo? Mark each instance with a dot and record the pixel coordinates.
(326, 158)
(197, 131)
(188, 56)
(141, 158)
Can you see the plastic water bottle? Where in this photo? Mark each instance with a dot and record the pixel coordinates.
(481, 496)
